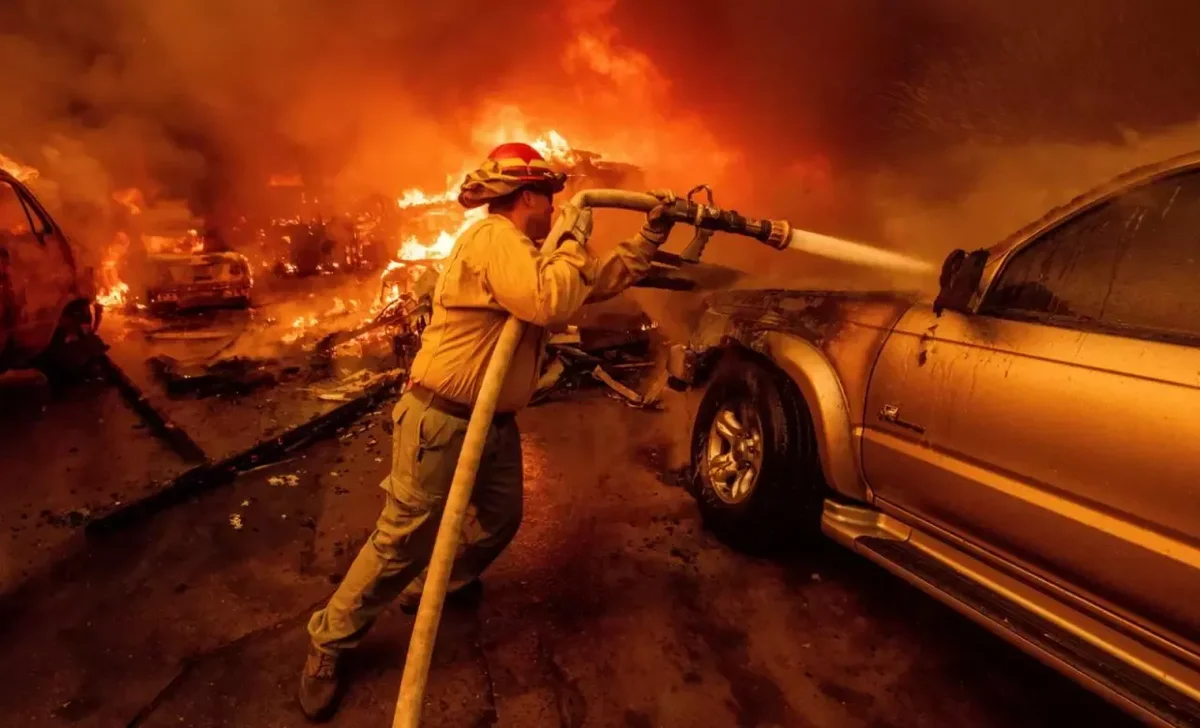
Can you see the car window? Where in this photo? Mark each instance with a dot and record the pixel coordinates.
(14, 219)
(1128, 265)
(1156, 284)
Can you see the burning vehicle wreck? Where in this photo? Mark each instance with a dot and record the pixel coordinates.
(183, 282)
(48, 312)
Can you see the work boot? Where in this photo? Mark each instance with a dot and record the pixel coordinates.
(319, 685)
(468, 596)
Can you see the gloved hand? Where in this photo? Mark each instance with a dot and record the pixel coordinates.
(658, 224)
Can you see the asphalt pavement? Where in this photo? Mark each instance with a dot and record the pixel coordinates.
(613, 607)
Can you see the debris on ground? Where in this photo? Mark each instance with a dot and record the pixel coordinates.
(233, 376)
(70, 519)
(291, 480)
(647, 400)
(235, 520)
(614, 350)
(356, 384)
(174, 334)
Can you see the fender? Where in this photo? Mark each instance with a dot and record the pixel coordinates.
(837, 441)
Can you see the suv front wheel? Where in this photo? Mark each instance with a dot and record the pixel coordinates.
(756, 474)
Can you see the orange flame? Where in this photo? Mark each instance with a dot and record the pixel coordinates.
(22, 172)
(114, 293)
(114, 296)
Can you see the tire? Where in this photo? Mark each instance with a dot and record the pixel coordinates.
(75, 350)
(775, 502)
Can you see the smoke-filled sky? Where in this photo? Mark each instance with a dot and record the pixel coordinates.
(800, 108)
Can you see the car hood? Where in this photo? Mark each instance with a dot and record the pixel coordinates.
(814, 315)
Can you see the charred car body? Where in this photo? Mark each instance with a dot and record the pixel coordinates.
(179, 282)
(1022, 448)
(174, 269)
(47, 303)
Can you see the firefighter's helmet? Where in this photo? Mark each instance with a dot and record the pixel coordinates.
(510, 167)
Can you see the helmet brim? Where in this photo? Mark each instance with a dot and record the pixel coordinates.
(481, 187)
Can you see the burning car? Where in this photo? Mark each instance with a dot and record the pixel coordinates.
(47, 303)
(199, 280)
(174, 268)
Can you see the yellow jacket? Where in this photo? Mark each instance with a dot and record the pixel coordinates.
(495, 271)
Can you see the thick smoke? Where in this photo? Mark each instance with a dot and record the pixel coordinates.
(832, 92)
(870, 119)
(203, 100)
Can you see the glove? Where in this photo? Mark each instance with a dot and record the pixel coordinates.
(658, 223)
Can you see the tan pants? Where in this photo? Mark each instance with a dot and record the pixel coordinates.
(425, 448)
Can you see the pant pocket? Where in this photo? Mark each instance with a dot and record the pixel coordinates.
(425, 448)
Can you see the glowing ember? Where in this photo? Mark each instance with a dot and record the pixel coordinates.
(18, 170)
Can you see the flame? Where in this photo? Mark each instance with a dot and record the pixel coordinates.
(18, 170)
(420, 198)
(114, 296)
(511, 127)
(609, 79)
(413, 249)
(113, 292)
(298, 328)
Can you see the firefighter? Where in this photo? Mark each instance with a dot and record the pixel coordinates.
(494, 271)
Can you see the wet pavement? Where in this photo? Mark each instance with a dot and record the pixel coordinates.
(65, 457)
(613, 607)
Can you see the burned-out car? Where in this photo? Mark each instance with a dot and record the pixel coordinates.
(1022, 447)
(180, 282)
(173, 267)
(47, 302)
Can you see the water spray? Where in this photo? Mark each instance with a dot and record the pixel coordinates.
(779, 234)
(575, 222)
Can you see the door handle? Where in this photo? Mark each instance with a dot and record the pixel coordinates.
(890, 413)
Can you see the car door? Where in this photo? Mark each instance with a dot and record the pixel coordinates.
(1055, 428)
(38, 275)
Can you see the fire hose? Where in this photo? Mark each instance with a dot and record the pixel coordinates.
(575, 221)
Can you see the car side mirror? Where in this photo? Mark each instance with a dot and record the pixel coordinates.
(959, 280)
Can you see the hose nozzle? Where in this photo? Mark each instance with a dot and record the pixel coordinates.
(706, 218)
(775, 233)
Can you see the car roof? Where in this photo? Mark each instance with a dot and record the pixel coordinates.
(1132, 178)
